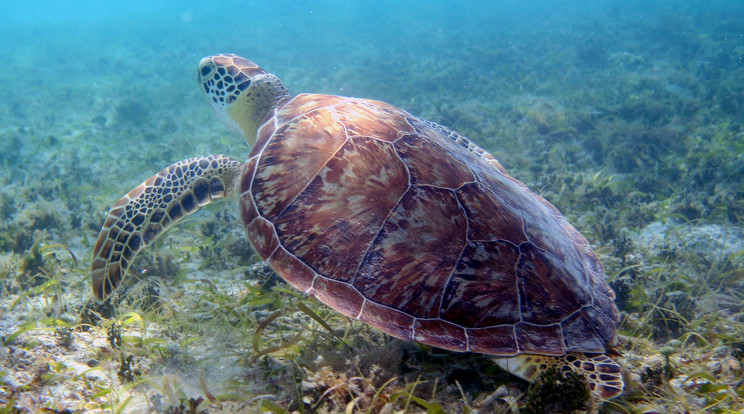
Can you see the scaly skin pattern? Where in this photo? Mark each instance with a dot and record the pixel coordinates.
(600, 371)
(139, 217)
(392, 220)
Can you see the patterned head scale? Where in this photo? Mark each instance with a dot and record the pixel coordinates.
(240, 92)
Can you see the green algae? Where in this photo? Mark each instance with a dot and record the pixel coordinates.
(556, 392)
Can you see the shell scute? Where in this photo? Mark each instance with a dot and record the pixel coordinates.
(547, 292)
(604, 318)
(497, 340)
(248, 210)
(295, 272)
(247, 179)
(338, 295)
(541, 225)
(454, 144)
(373, 119)
(431, 165)
(488, 217)
(340, 213)
(388, 320)
(483, 286)
(540, 339)
(305, 103)
(292, 158)
(441, 334)
(263, 236)
(410, 261)
(582, 334)
(264, 134)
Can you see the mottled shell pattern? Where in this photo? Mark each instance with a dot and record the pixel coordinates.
(412, 228)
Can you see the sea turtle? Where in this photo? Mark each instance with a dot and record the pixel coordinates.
(390, 219)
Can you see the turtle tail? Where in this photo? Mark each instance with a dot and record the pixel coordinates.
(144, 213)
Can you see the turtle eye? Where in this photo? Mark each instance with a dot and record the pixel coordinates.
(205, 70)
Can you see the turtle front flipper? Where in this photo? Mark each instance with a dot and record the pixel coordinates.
(602, 374)
(144, 213)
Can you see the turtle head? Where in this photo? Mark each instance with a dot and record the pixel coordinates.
(241, 93)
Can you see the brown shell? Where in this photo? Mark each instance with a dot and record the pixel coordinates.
(411, 228)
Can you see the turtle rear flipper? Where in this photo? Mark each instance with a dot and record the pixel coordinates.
(144, 213)
(603, 375)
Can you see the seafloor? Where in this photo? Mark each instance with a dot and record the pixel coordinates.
(631, 123)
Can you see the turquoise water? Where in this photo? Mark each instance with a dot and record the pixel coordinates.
(626, 116)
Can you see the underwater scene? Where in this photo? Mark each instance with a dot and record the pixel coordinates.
(628, 117)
